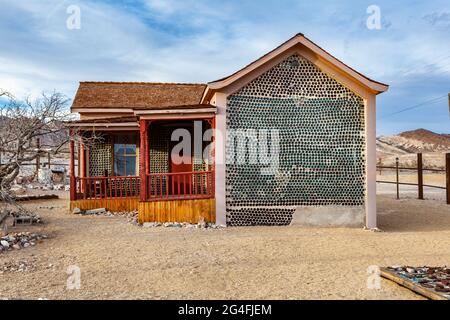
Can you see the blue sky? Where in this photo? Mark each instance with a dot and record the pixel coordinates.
(200, 41)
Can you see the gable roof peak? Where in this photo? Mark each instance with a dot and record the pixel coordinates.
(299, 39)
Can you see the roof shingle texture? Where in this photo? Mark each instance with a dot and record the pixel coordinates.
(138, 95)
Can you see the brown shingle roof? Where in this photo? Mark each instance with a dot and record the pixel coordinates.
(123, 119)
(139, 95)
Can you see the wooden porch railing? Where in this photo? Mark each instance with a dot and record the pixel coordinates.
(160, 186)
(180, 185)
(107, 187)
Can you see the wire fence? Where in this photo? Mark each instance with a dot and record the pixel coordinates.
(420, 172)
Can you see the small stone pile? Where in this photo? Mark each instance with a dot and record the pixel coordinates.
(131, 216)
(200, 225)
(29, 265)
(17, 241)
(434, 278)
(18, 266)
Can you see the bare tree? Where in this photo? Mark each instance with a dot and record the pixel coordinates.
(21, 122)
(4, 93)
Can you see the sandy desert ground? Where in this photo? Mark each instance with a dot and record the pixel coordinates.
(428, 179)
(119, 260)
(410, 191)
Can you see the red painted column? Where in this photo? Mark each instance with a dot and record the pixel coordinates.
(72, 181)
(143, 159)
(213, 156)
(147, 150)
(78, 160)
(82, 166)
(147, 158)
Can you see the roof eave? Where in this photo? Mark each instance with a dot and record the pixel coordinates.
(374, 86)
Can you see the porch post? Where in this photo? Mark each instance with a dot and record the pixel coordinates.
(219, 159)
(82, 166)
(72, 181)
(78, 160)
(371, 162)
(213, 156)
(143, 158)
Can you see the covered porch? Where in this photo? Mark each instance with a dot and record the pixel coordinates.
(151, 164)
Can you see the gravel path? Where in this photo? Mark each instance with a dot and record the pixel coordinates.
(121, 261)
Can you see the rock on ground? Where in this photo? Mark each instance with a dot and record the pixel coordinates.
(17, 241)
(120, 261)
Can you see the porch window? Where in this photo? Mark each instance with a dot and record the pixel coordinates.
(125, 155)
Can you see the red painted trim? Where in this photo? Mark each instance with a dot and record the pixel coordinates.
(82, 164)
(198, 188)
(114, 187)
(143, 159)
(107, 187)
(147, 140)
(213, 156)
(78, 160)
(180, 119)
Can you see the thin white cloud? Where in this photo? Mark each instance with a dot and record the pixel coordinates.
(200, 41)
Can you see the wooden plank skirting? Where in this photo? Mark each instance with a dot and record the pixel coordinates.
(114, 205)
(177, 211)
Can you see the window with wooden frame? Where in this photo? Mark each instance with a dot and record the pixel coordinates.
(125, 156)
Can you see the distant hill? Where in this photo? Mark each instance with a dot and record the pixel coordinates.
(47, 140)
(420, 140)
(406, 144)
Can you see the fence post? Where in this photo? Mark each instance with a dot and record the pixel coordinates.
(447, 169)
(420, 175)
(396, 178)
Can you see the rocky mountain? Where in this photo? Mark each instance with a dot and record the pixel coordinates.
(420, 140)
(406, 144)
